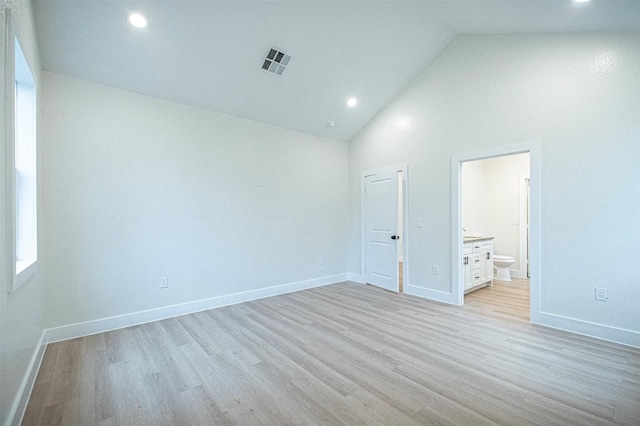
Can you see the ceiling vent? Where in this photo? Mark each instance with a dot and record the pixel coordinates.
(275, 61)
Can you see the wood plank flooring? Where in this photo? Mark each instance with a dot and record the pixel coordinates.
(504, 299)
(342, 354)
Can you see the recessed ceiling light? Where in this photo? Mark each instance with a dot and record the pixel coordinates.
(137, 19)
(581, 1)
(351, 102)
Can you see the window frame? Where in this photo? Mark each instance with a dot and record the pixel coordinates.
(21, 88)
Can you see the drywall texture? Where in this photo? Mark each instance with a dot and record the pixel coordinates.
(491, 202)
(474, 189)
(21, 311)
(139, 188)
(579, 95)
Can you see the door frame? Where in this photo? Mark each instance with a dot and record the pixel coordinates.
(405, 214)
(524, 182)
(533, 148)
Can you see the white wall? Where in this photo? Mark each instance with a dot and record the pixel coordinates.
(491, 201)
(138, 188)
(579, 96)
(21, 311)
(474, 193)
(503, 176)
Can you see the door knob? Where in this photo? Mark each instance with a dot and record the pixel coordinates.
(394, 237)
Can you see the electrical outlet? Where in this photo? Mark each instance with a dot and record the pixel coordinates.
(419, 223)
(164, 282)
(436, 270)
(601, 294)
(321, 261)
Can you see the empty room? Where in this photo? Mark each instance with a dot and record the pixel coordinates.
(320, 212)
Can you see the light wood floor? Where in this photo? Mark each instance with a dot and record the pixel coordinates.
(503, 300)
(341, 354)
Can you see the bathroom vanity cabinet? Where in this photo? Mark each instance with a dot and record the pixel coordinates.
(477, 263)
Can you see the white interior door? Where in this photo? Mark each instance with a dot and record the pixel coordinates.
(381, 224)
(528, 214)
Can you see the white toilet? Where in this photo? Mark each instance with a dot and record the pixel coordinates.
(502, 265)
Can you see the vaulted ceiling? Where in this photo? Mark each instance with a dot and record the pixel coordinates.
(209, 53)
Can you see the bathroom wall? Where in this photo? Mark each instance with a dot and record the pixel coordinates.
(474, 199)
(502, 180)
(491, 202)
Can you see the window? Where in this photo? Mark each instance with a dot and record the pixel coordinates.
(26, 207)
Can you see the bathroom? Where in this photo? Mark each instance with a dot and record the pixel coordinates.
(495, 208)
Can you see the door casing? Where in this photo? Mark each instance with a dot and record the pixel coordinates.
(533, 148)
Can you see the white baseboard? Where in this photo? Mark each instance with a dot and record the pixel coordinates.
(586, 328)
(358, 278)
(427, 293)
(73, 331)
(19, 405)
(516, 273)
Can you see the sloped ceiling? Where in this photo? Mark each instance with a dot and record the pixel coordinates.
(208, 53)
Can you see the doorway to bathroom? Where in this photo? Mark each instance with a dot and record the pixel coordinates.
(495, 228)
(495, 252)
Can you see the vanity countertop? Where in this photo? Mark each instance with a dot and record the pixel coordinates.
(475, 239)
